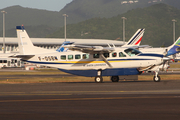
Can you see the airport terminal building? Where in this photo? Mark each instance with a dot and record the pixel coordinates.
(11, 44)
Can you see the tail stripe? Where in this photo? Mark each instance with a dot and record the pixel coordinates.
(138, 41)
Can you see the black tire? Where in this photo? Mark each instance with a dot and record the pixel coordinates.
(115, 78)
(157, 79)
(98, 79)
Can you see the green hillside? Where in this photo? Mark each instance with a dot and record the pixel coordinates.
(39, 31)
(17, 15)
(157, 20)
(78, 10)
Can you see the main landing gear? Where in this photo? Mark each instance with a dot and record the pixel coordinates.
(115, 78)
(98, 78)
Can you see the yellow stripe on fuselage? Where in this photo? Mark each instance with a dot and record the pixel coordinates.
(82, 62)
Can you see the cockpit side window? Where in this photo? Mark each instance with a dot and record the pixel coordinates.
(85, 56)
(121, 54)
(132, 52)
(95, 55)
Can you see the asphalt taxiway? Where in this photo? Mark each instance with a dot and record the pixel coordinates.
(88, 100)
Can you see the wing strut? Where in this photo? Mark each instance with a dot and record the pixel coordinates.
(105, 60)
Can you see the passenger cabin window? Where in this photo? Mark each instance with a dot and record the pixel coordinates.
(95, 55)
(63, 57)
(55, 58)
(121, 54)
(77, 56)
(132, 52)
(85, 56)
(106, 55)
(70, 57)
(46, 58)
(114, 54)
(49, 58)
(39, 58)
(52, 57)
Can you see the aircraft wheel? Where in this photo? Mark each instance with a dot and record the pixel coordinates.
(98, 79)
(157, 79)
(115, 78)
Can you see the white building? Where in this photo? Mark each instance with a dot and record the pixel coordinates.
(11, 44)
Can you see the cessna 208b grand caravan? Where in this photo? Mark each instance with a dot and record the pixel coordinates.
(90, 61)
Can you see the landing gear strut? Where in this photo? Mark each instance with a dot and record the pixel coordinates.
(115, 78)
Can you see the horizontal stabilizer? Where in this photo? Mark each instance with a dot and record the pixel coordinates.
(22, 56)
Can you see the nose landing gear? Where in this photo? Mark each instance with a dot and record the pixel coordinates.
(156, 78)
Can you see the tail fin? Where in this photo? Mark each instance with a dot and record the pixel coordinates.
(175, 48)
(136, 38)
(24, 42)
(62, 49)
(25, 45)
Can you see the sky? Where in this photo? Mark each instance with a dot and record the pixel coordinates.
(51, 5)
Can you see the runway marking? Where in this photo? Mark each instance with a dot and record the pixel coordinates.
(82, 99)
(41, 93)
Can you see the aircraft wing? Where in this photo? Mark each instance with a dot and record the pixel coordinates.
(89, 49)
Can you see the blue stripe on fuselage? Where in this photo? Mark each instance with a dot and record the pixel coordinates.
(151, 54)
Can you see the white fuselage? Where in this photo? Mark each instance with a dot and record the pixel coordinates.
(153, 50)
(73, 60)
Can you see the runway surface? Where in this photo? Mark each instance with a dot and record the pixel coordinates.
(126, 100)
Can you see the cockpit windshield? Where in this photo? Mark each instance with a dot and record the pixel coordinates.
(132, 52)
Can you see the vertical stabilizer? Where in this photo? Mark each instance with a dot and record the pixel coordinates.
(62, 49)
(25, 45)
(136, 38)
(175, 48)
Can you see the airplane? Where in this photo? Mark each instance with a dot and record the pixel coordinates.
(135, 40)
(166, 51)
(90, 61)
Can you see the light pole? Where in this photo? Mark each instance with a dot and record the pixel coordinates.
(65, 25)
(3, 30)
(124, 28)
(174, 30)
